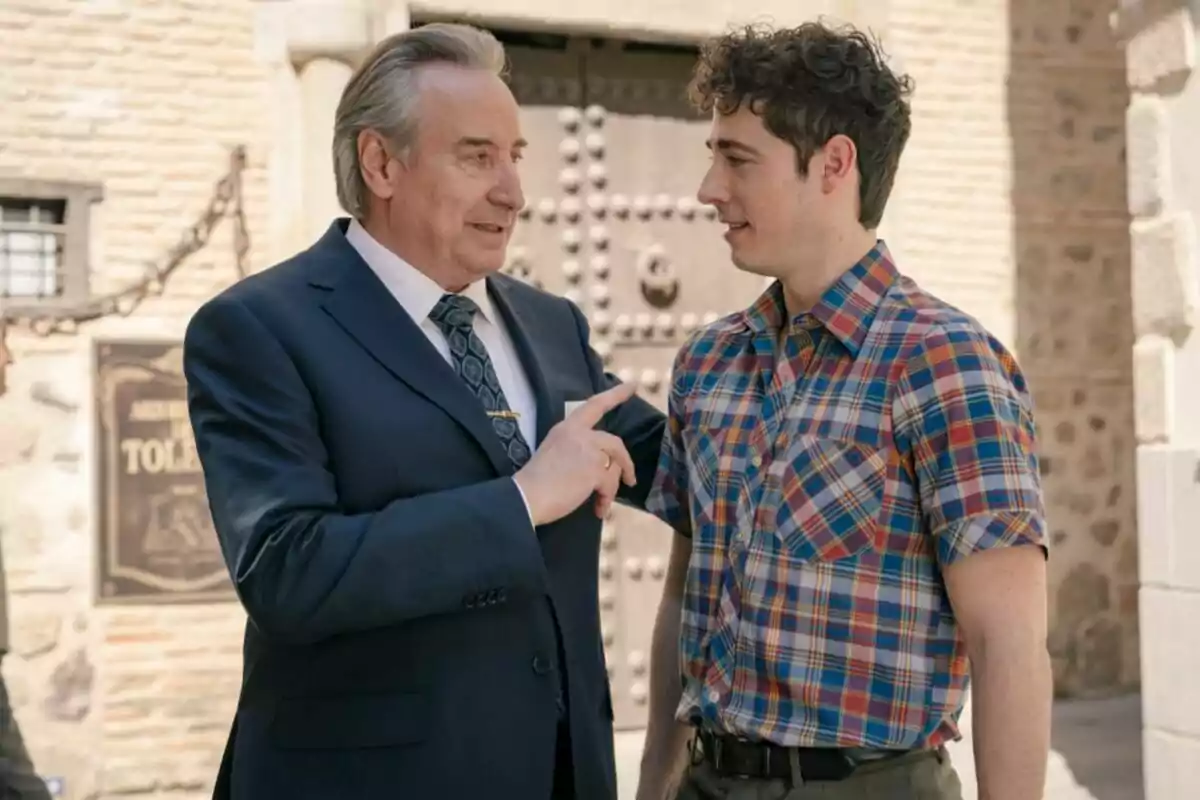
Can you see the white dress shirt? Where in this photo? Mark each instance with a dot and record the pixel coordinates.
(417, 293)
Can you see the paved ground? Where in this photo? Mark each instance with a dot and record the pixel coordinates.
(1097, 753)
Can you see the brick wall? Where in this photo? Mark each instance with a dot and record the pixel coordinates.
(145, 98)
(951, 218)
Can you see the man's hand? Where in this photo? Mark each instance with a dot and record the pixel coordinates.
(575, 460)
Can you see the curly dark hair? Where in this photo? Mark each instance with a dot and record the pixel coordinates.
(809, 84)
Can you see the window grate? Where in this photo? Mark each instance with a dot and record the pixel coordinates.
(32, 243)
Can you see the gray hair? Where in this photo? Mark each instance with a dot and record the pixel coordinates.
(382, 94)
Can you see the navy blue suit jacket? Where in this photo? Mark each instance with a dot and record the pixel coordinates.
(402, 609)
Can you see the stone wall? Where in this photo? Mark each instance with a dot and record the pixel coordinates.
(145, 98)
(1164, 198)
(1011, 205)
(1066, 100)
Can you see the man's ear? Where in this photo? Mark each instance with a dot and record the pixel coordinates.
(839, 157)
(376, 163)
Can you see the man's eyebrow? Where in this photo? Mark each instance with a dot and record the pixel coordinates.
(730, 144)
(483, 141)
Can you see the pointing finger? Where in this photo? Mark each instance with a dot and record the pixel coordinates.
(595, 407)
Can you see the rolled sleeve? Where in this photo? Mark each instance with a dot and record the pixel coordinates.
(668, 499)
(962, 411)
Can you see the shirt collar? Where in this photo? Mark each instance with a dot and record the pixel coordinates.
(413, 289)
(846, 309)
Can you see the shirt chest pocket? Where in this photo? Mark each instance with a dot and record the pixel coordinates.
(832, 494)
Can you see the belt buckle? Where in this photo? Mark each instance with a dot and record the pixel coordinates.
(720, 763)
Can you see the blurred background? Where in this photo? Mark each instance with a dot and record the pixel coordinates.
(153, 151)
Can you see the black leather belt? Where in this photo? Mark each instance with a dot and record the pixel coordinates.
(735, 757)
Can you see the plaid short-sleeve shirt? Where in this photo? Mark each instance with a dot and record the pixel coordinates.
(825, 475)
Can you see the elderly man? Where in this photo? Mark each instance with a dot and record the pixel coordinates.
(851, 468)
(409, 513)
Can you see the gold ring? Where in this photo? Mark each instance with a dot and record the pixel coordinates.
(608, 461)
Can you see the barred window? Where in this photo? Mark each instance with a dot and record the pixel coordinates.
(31, 247)
(44, 242)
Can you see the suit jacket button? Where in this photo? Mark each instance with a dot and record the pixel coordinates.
(541, 665)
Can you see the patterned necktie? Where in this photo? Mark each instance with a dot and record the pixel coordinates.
(455, 315)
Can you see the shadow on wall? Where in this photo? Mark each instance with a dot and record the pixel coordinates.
(1067, 97)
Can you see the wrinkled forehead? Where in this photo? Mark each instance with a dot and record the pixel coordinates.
(456, 104)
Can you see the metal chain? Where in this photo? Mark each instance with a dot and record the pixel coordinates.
(226, 201)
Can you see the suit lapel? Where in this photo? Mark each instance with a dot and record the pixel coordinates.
(528, 341)
(360, 303)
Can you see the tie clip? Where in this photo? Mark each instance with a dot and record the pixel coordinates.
(504, 414)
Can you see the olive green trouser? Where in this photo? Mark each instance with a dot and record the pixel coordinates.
(925, 775)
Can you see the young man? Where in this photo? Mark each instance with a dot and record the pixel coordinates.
(850, 468)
